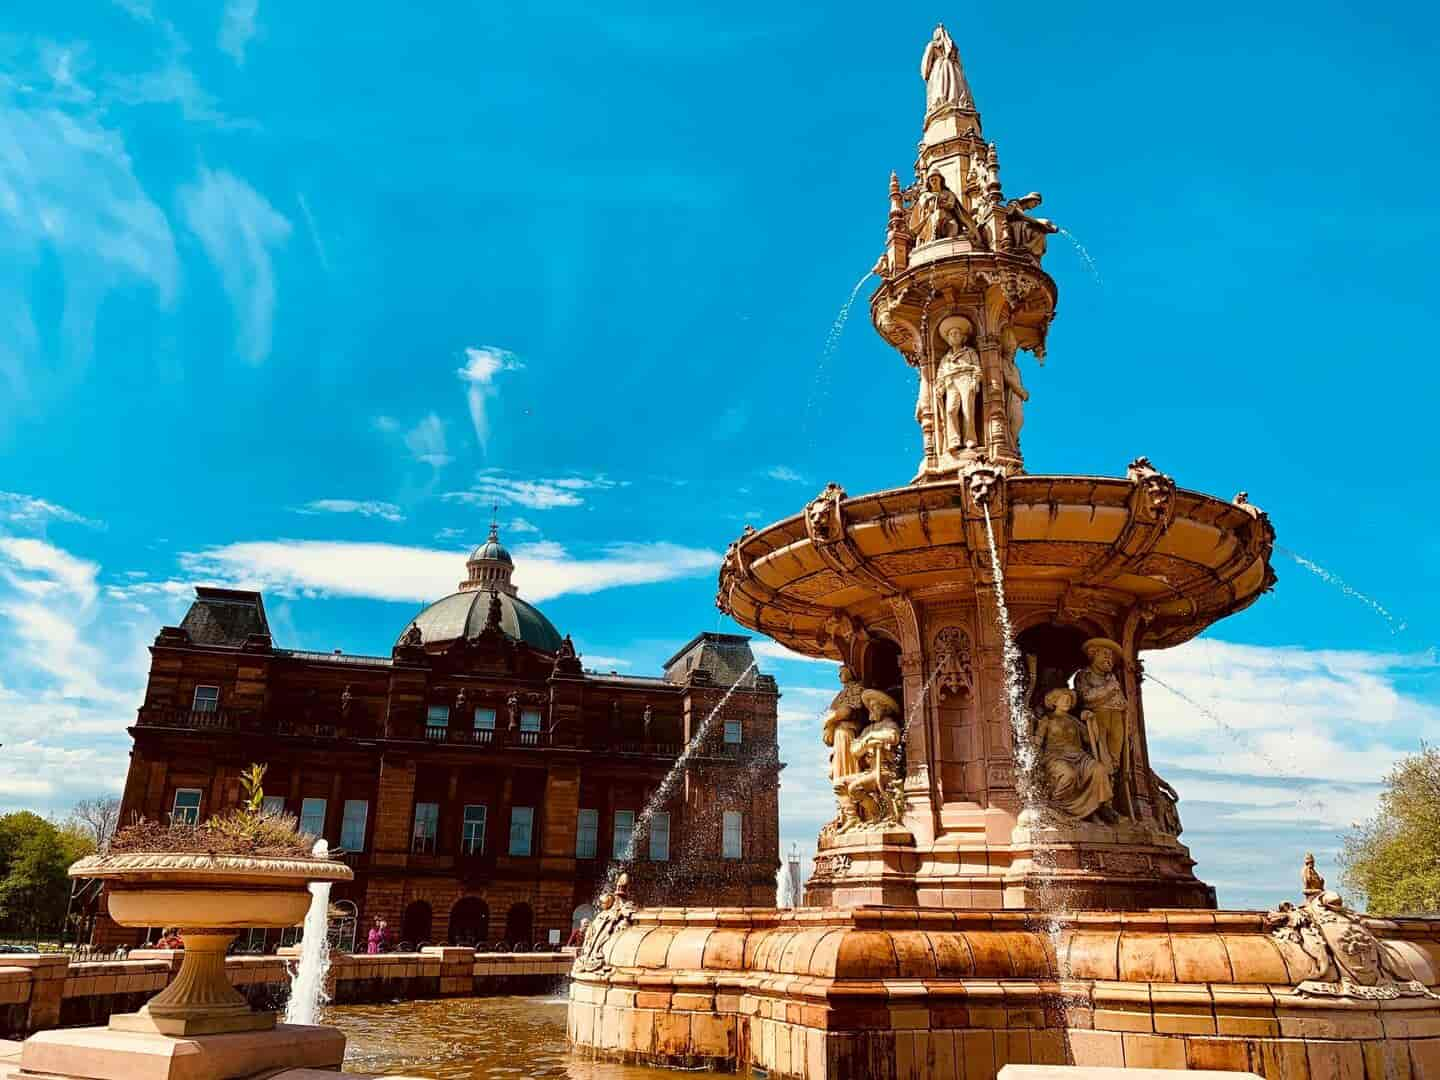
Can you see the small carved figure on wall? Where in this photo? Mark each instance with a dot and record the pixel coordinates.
(1015, 393)
(347, 701)
(1075, 778)
(1167, 805)
(1312, 884)
(864, 770)
(940, 215)
(512, 707)
(958, 378)
(413, 636)
(1102, 699)
(954, 669)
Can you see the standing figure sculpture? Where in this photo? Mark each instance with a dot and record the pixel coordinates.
(943, 74)
(1102, 700)
(1075, 778)
(1015, 393)
(958, 379)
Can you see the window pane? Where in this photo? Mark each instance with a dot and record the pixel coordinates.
(733, 835)
(352, 828)
(587, 834)
(207, 698)
(312, 816)
(521, 819)
(186, 810)
(624, 846)
(732, 732)
(427, 822)
(485, 718)
(529, 719)
(660, 837)
(437, 716)
(272, 804)
(472, 832)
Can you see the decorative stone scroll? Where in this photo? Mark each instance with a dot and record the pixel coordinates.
(954, 668)
(1345, 957)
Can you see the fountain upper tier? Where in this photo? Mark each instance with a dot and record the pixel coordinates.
(1177, 560)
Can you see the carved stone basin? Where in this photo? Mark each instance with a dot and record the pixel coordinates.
(209, 898)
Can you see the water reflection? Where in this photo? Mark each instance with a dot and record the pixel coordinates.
(469, 1039)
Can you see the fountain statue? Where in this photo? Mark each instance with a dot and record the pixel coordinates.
(1003, 880)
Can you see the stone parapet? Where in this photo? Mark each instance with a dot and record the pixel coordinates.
(930, 993)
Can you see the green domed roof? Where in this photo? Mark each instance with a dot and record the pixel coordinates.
(463, 614)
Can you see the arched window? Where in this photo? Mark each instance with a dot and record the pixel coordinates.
(415, 925)
(580, 914)
(519, 924)
(470, 921)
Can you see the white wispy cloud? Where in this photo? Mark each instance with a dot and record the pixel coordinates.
(426, 442)
(548, 494)
(482, 364)
(773, 650)
(399, 573)
(594, 660)
(237, 27)
(69, 191)
(786, 474)
(520, 525)
(239, 230)
(386, 424)
(27, 511)
(365, 508)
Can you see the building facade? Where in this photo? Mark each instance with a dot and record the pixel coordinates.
(480, 781)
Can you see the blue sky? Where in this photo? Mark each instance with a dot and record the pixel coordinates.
(289, 294)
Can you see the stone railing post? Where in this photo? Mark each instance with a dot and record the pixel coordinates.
(48, 972)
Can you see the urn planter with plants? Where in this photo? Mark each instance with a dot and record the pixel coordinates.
(242, 868)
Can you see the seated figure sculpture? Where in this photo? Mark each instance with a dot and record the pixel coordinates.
(864, 772)
(1075, 779)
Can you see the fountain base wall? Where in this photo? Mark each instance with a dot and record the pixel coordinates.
(896, 994)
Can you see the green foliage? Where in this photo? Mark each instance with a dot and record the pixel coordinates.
(34, 887)
(1394, 858)
(251, 784)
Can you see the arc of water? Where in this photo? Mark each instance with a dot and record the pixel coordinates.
(1396, 624)
(666, 788)
(832, 342)
(307, 982)
(1085, 255)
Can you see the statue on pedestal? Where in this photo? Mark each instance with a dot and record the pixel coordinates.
(1076, 780)
(958, 382)
(940, 215)
(1015, 393)
(1102, 700)
(943, 74)
(864, 769)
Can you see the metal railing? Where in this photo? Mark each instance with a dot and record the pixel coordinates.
(193, 719)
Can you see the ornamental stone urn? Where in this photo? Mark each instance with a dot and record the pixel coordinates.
(210, 898)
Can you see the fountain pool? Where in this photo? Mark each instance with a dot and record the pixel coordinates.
(470, 1039)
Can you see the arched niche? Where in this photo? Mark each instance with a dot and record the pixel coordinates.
(1051, 654)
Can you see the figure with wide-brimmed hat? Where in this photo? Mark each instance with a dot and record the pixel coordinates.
(1103, 705)
(958, 383)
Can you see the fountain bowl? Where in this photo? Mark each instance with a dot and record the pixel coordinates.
(209, 898)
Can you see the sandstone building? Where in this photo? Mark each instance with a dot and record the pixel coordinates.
(480, 781)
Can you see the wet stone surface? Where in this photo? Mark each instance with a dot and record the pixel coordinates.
(469, 1039)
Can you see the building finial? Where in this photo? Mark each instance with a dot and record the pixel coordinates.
(495, 520)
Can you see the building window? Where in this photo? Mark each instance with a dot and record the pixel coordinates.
(352, 826)
(733, 844)
(312, 816)
(624, 845)
(427, 823)
(529, 727)
(272, 804)
(732, 732)
(186, 809)
(207, 699)
(660, 837)
(484, 731)
(437, 722)
(472, 833)
(587, 834)
(522, 819)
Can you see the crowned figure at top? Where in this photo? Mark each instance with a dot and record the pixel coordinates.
(944, 76)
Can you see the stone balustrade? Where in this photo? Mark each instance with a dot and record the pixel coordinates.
(51, 990)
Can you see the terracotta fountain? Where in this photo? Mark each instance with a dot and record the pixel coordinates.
(1004, 880)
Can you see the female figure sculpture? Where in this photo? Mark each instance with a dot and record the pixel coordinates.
(1078, 782)
(939, 212)
(944, 76)
(1015, 393)
(1103, 699)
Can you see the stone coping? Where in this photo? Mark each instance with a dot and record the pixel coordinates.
(185, 867)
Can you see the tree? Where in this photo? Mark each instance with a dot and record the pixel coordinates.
(98, 817)
(34, 857)
(1394, 858)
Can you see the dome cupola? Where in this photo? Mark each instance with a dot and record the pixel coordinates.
(489, 566)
